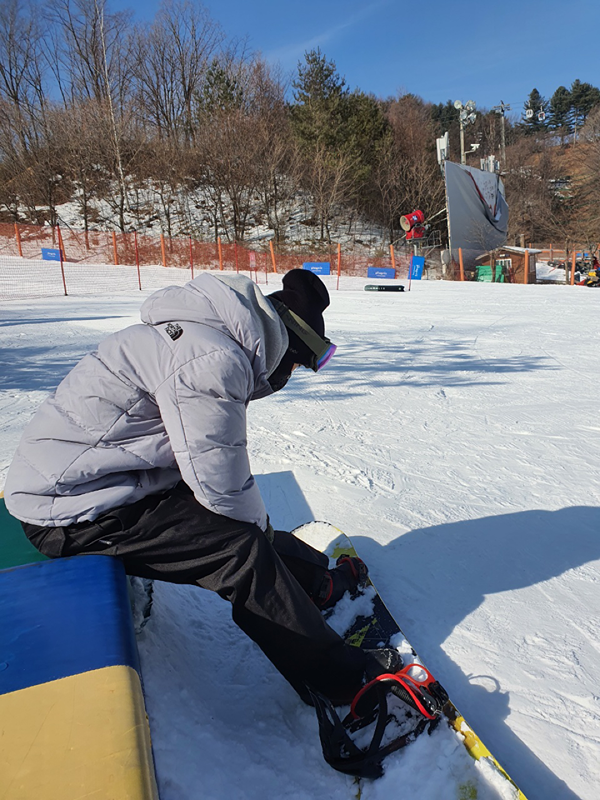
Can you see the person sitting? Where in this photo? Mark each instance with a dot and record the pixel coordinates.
(141, 454)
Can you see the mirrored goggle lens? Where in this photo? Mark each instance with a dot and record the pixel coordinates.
(326, 357)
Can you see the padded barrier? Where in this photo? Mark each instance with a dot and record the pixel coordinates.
(15, 547)
(72, 716)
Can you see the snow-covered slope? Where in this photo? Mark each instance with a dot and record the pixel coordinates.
(455, 436)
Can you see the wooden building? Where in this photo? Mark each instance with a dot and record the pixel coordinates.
(507, 265)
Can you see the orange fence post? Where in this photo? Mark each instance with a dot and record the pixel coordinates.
(116, 255)
(162, 249)
(237, 269)
(18, 237)
(460, 261)
(273, 256)
(573, 266)
(551, 252)
(526, 269)
(61, 246)
(220, 252)
(137, 260)
(392, 254)
(191, 258)
(339, 269)
(62, 271)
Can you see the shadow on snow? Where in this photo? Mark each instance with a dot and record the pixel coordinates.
(437, 576)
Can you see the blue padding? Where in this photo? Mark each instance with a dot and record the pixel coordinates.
(318, 267)
(381, 272)
(63, 617)
(417, 264)
(48, 254)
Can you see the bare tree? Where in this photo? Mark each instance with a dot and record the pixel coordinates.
(83, 131)
(21, 78)
(406, 173)
(539, 208)
(172, 56)
(278, 157)
(230, 154)
(387, 187)
(329, 179)
(89, 50)
(585, 208)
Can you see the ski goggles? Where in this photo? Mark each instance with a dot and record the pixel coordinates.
(322, 348)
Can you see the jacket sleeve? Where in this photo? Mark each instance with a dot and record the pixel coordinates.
(203, 407)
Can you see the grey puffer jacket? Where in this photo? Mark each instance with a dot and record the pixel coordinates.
(155, 403)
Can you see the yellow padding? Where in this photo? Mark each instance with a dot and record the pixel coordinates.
(85, 736)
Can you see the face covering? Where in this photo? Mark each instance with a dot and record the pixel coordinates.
(280, 377)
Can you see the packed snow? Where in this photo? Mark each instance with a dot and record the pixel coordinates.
(455, 437)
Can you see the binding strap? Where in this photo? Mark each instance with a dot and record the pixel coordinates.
(341, 753)
(426, 697)
(402, 686)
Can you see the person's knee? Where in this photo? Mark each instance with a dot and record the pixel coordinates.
(249, 564)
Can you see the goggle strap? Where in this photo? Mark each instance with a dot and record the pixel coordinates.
(319, 345)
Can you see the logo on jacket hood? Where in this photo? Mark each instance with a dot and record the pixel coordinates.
(174, 330)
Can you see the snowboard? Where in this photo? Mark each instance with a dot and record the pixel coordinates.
(453, 747)
(378, 287)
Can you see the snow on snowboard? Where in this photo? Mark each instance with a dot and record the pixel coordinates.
(451, 762)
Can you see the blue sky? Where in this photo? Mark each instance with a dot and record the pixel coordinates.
(440, 50)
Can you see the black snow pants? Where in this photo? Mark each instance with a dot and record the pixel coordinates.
(173, 538)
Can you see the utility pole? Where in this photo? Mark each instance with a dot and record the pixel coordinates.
(502, 109)
(466, 116)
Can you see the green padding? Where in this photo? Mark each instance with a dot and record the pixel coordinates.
(15, 548)
(489, 275)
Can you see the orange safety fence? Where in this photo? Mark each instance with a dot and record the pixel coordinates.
(104, 247)
(138, 260)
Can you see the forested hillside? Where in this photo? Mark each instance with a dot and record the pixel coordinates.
(175, 127)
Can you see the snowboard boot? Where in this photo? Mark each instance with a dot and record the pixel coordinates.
(349, 574)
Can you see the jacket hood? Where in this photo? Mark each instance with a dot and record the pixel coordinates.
(233, 305)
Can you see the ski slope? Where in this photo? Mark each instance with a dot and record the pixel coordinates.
(455, 437)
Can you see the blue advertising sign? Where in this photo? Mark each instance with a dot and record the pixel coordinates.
(320, 267)
(50, 255)
(417, 265)
(381, 272)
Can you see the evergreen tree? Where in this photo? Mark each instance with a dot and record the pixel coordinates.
(364, 124)
(444, 115)
(560, 111)
(221, 91)
(363, 129)
(446, 118)
(319, 95)
(533, 120)
(584, 97)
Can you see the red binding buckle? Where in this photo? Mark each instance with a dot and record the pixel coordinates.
(402, 684)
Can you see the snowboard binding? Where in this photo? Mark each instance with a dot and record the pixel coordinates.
(422, 697)
(349, 575)
(414, 685)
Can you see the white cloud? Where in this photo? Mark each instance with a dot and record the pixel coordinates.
(288, 55)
